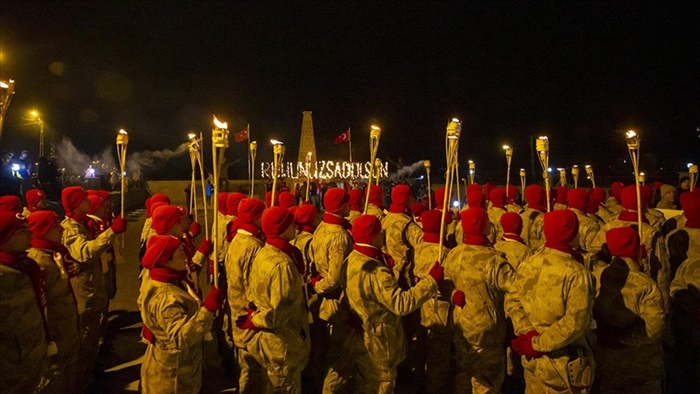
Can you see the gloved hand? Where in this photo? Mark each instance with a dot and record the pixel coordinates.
(438, 273)
(205, 247)
(459, 299)
(245, 322)
(315, 279)
(195, 229)
(215, 299)
(119, 225)
(523, 344)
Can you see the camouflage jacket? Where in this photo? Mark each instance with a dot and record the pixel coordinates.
(516, 252)
(588, 229)
(436, 313)
(402, 235)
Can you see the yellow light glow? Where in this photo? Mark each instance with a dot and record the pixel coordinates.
(191, 135)
(376, 127)
(506, 147)
(122, 131)
(220, 125)
(456, 120)
(630, 134)
(275, 142)
(4, 85)
(34, 113)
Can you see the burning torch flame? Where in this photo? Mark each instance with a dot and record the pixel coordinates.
(275, 142)
(220, 125)
(122, 131)
(191, 136)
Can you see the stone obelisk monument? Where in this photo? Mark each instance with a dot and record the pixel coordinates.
(306, 142)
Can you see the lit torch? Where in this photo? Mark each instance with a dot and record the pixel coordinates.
(453, 132)
(633, 143)
(309, 156)
(523, 179)
(194, 147)
(278, 155)
(253, 152)
(509, 157)
(472, 171)
(122, 143)
(542, 146)
(693, 175)
(562, 176)
(374, 134)
(219, 144)
(642, 178)
(378, 168)
(590, 174)
(426, 165)
(574, 174)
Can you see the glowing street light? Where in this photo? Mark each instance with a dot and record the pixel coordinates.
(35, 118)
(7, 90)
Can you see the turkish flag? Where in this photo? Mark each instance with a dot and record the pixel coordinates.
(241, 135)
(343, 137)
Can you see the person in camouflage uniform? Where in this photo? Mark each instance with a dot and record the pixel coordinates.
(174, 320)
(561, 199)
(596, 206)
(513, 198)
(532, 217)
(402, 234)
(629, 313)
(656, 264)
(23, 340)
(62, 309)
(685, 290)
(484, 275)
(278, 316)
(375, 296)
(510, 243)
(357, 204)
(497, 209)
(684, 243)
(146, 230)
(376, 202)
(475, 199)
(330, 247)
(86, 251)
(435, 336)
(556, 292)
(245, 242)
(613, 203)
(587, 227)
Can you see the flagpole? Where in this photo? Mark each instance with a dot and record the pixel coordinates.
(350, 143)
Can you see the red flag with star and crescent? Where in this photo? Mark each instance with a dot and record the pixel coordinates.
(343, 137)
(241, 135)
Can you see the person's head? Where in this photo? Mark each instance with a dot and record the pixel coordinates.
(250, 211)
(376, 195)
(476, 199)
(431, 221)
(623, 242)
(616, 191)
(668, 193)
(475, 221)
(536, 197)
(497, 196)
(232, 202)
(221, 199)
(278, 222)
(401, 198)
(578, 199)
(366, 229)
(10, 203)
(14, 233)
(97, 205)
(336, 201)
(75, 201)
(561, 228)
(168, 219)
(357, 200)
(512, 223)
(287, 200)
(46, 225)
(561, 194)
(36, 199)
(164, 251)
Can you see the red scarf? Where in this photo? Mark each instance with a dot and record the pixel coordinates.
(375, 253)
(398, 208)
(290, 250)
(628, 215)
(335, 219)
(574, 253)
(306, 227)
(233, 226)
(69, 264)
(431, 238)
(82, 219)
(37, 276)
(168, 275)
(476, 239)
(514, 237)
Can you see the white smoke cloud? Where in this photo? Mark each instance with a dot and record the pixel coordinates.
(406, 171)
(139, 161)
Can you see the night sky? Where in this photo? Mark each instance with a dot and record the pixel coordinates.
(579, 73)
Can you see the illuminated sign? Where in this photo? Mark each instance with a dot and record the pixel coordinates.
(322, 170)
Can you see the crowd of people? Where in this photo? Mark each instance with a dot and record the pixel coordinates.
(503, 292)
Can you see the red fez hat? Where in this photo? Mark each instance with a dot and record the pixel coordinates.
(474, 221)
(578, 199)
(287, 200)
(691, 211)
(476, 199)
(417, 209)
(440, 197)
(305, 214)
(622, 241)
(512, 223)
(376, 195)
(536, 197)
(159, 250)
(164, 218)
(497, 197)
(560, 227)
(365, 229)
(616, 190)
(71, 197)
(357, 199)
(232, 202)
(275, 221)
(431, 221)
(221, 199)
(9, 223)
(10, 204)
(33, 197)
(40, 222)
(560, 193)
(95, 202)
(250, 209)
(335, 199)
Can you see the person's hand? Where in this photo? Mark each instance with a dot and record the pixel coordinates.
(119, 225)
(523, 345)
(315, 279)
(438, 273)
(215, 299)
(459, 299)
(245, 322)
(205, 247)
(195, 229)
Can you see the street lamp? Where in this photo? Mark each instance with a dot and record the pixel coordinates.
(35, 118)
